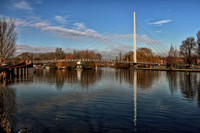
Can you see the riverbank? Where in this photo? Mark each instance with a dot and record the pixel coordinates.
(168, 69)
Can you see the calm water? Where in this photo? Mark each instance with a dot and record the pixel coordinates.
(105, 100)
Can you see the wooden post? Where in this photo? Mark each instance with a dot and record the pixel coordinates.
(19, 72)
(23, 73)
(10, 73)
(26, 73)
(15, 72)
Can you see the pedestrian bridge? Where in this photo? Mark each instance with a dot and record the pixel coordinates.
(91, 60)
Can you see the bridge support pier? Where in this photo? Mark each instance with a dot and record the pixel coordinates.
(26, 71)
(23, 73)
(134, 65)
(15, 72)
(18, 70)
(11, 73)
(19, 73)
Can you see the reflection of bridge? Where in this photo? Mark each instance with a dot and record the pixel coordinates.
(90, 60)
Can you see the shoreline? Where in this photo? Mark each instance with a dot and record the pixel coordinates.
(167, 69)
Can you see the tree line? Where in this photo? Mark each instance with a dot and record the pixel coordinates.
(143, 55)
(59, 54)
(188, 53)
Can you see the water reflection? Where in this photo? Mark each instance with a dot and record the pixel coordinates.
(58, 101)
(89, 77)
(189, 84)
(135, 98)
(79, 74)
(59, 79)
(7, 107)
(84, 78)
(146, 79)
(172, 80)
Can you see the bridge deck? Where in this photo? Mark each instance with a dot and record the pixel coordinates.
(21, 65)
(89, 60)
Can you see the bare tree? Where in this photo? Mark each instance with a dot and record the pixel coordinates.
(8, 38)
(60, 54)
(187, 50)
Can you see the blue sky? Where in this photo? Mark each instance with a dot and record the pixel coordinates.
(103, 25)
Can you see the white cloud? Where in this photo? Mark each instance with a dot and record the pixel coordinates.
(59, 31)
(158, 31)
(79, 26)
(40, 25)
(37, 49)
(60, 19)
(23, 5)
(161, 22)
(37, 1)
(66, 32)
(20, 22)
(107, 54)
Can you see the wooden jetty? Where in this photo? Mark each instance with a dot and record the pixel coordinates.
(18, 70)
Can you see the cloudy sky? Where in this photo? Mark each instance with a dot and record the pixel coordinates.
(101, 25)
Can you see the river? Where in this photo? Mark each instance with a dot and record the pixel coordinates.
(104, 100)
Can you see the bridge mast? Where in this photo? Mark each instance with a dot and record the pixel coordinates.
(134, 40)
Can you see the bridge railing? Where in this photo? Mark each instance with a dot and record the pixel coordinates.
(90, 60)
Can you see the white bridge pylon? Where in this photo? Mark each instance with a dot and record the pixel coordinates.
(134, 40)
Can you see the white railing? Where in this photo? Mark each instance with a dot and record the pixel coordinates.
(88, 60)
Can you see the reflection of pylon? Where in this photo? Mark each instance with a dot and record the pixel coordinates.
(135, 97)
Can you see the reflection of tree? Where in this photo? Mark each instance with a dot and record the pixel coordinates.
(85, 78)
(146, 78)
(89, 77)
(71, 76)
(188, 85)
(60, 79)
(198, 99)
(7, 107)
(123, 74)
(172, 79)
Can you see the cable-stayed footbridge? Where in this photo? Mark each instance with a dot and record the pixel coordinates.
(117, 42)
